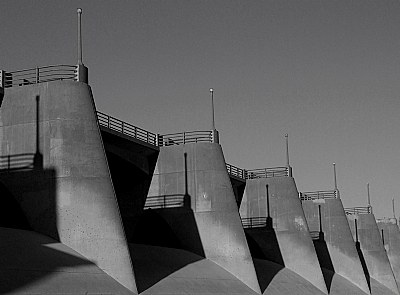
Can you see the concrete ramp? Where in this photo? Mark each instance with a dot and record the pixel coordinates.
(209, 225)
(53, 163)
(31, 263)
(162, 270)
(372, 249)
(341, 258)
(391, 237)
(293, 242)
(283, 281)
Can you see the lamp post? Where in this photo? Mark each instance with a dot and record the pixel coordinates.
(82, 71)
(215, 134)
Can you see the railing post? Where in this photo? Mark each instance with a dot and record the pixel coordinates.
(355, 225)
(37, 75)
(122, 127)
(184, 138)
(108, 122)
(215, 136)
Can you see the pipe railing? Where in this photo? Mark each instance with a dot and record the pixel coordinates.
(308, 196)
(127, 129)
(38, 75)
(165, 201)
(252, 222)
(236, 171)
(267, 172)
(387, 220)
(358, 210)
(185, 137)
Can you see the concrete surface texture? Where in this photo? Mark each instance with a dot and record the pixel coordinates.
(374, 253)
(391, 238)
(68, 194)
(342, 254)
(289, 224)
(197, 172)
(192, 274)
(31, 263)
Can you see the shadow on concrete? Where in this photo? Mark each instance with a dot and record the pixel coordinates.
(131, 165)
(363, 264)
(324, 258)
(263, 245)
(170, 228)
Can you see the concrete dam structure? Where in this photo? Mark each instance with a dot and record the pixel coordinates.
(94, 205)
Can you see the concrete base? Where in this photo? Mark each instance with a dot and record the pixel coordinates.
(31, 263)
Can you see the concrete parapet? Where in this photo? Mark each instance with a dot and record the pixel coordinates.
(289, 225)
(391, 238)
(197, 173)
(374, 253)
(64, 189)
(342, 254)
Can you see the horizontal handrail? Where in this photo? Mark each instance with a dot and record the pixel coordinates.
(39, 75)
(127, 129)
(392, 220)
(358, 210)
(251, 222)
(236, 171)
(164, 201)
(267, 172)
(308, 196)
(185, 137)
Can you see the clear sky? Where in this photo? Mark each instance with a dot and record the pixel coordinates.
(325, 72)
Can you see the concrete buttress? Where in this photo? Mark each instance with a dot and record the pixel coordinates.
(58, 172)
(374, 253)
(289, 224)
(198, 173)
(338, 239)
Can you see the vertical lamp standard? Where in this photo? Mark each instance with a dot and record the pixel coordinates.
(287, 155)
(82, 71)
(215, 134)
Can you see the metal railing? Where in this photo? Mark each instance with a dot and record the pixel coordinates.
(185, 137)
(251, 222)
(127, 129)
(39, 75)
(358, 210)
(17, 162)
(308, 196)
(236, 171)
(387, 220)
(267, 172)
(315, 234)
(160, 202)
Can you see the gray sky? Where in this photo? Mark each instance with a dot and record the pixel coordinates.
(325, 72)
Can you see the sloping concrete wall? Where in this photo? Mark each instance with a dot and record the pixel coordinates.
(69, 194)
(289, 224)
(372, 248)
(338, 238)
(391, 236)
(212, 203)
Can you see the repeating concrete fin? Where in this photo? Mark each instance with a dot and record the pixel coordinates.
(391, 237)
(373, 250)
(70, 174)
(338, 238)
(289, 224)
(198, 172)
